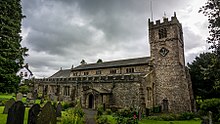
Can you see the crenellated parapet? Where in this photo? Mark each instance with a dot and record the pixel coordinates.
(87, 79)
(165, 22)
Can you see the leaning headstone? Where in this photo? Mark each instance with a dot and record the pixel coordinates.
(210, 117)
(55, 98)
(29, 96)
(8, 105)
(16, 113)
(205, 120)
(47, 115)
(33, 113)
(19, 96)
(58, 110)
(35, 94)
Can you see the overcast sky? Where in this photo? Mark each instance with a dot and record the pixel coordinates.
(60, 33)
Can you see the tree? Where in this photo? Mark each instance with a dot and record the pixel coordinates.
(11, 52)
(212, 10)
(204, 71)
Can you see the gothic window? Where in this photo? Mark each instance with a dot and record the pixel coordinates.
(162, 33)
(86, 73)
(75, 74)
(98, 72)
(113, 71)
(67, 90)
(130, 70)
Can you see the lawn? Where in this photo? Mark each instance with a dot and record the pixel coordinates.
(168, 122)
(6, 96)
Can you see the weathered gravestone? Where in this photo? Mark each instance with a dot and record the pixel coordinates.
(58, 110)
(47, 115)
(33, 113)
(29, 96)
(19, 96)
(8, 105)
(16, 113)
(55, 98)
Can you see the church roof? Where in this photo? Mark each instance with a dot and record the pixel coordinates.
(110, 64)
(61, 74)
(117, 63)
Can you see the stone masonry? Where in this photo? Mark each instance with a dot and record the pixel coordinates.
(160, 80)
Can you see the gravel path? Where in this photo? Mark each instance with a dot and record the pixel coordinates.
(90, 116)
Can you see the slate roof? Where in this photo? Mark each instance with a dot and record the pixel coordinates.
(117, 63)
(61, 74)
(109, 64)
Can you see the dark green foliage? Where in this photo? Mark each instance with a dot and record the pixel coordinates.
(102, 120)
(186, 116)
(205, 75)
(100, 110)
(212, 105)
(212, 10)
(173, 117)
(125, 116)
(24, 89)
(11, 52)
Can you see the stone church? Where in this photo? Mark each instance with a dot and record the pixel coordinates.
(160, 80)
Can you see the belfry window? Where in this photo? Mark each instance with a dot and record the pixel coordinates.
(162, 33)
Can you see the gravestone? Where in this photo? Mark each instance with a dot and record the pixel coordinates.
(47, 115)
(19, 96)
(51, 97)
(29, 97)
(35, 94)
(8, 105)
(210, 117)
(33, 114)
(16, 113)
(55, 98)
(205, 120)
(58, 110)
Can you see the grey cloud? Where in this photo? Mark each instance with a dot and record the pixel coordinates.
(67, 31)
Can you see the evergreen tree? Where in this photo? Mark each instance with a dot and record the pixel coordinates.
(212, 10)
(11, 52)
(204, 71)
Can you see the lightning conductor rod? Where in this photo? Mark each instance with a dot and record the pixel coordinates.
(151, 11)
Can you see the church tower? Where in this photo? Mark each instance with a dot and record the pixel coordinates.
(171, 88)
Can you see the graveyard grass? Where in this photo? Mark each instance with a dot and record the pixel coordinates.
(3, 117)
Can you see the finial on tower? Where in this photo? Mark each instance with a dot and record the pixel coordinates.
(174, 14)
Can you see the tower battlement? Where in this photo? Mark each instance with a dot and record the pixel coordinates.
(165, 21)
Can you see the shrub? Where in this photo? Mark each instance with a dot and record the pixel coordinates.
(100, 110)
(108, 111)
(73, 116)
(186, 116)
(102, 120)
(65, 105)
(24, 89)
(212, 105)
